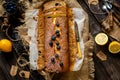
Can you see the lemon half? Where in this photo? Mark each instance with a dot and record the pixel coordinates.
(101, 39)
(114, 47)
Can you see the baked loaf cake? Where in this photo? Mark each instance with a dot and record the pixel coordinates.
(56, 37)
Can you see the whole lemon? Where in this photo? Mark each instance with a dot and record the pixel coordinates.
(5, 45)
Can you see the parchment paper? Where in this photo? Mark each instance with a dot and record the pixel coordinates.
(31, 24)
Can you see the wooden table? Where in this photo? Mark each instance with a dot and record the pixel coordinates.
(107, 70)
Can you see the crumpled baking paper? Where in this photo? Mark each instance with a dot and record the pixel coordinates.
(31, 24)
(79, 19)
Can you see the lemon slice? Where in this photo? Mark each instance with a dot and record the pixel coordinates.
(101, 39)
(5, 45)
(114, 47)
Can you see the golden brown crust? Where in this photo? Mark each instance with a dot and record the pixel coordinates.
(72, 39)
(40, 37)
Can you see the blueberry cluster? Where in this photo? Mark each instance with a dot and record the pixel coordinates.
(53, 39)
(14, 10)
(53, 61)
(10, 7)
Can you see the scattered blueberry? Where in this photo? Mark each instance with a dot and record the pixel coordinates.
(56, 4)
(58, 34)
(57, 24)
(49, 17)
(56, 55)
(53, 60)
(39, 51)
(53, 38)
(61, 64)
(51, 44)
(57, 31)
(58, 47)
(57, 43)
